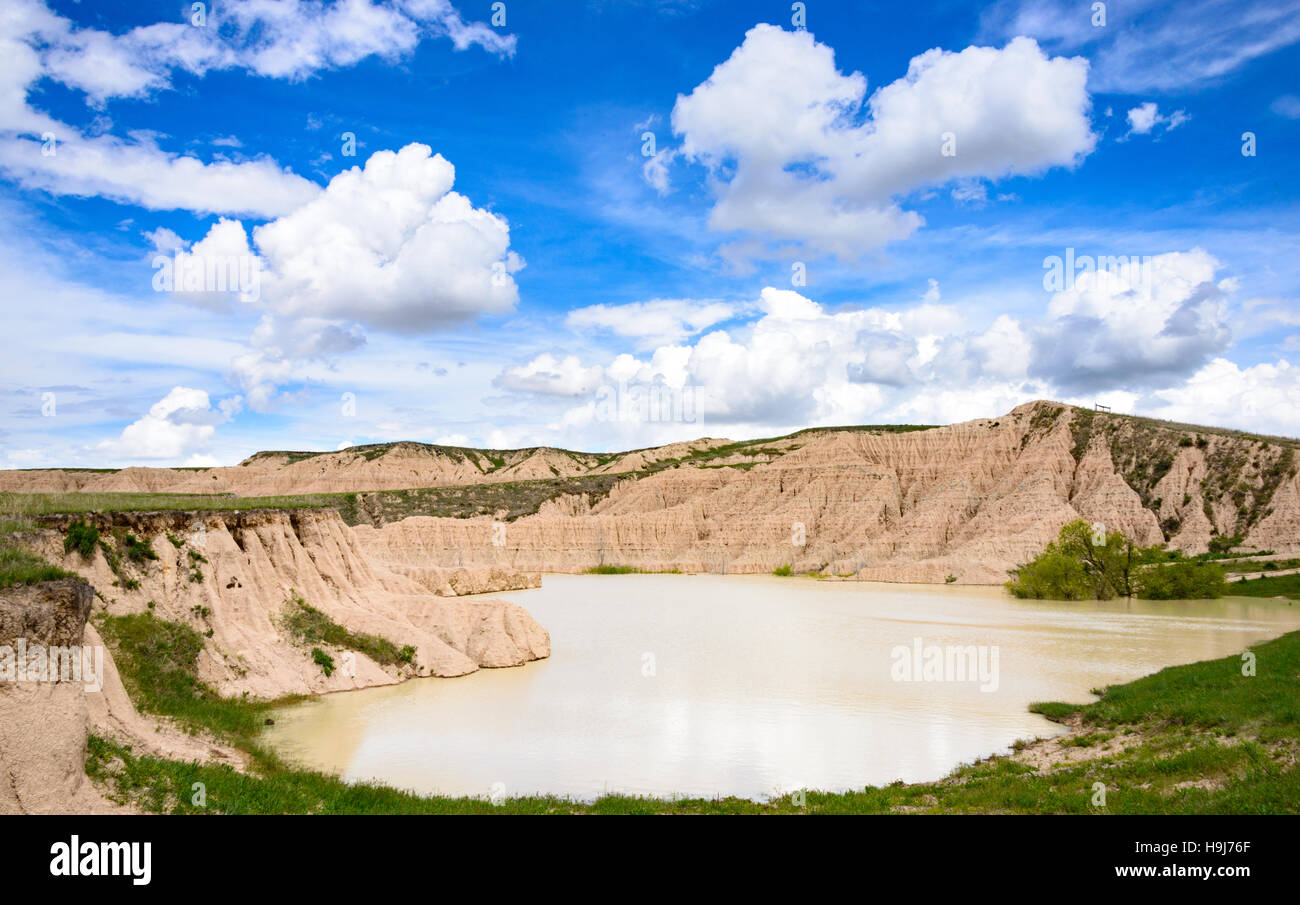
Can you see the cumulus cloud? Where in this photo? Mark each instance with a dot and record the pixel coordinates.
(1132, 332)
(1263, 397)
(796, 155)
(291, 40)
(391, 246)
(656, 322)
(1145, 117)
(1138, 325)
(180, 426)
(550, 376)
(388, 246)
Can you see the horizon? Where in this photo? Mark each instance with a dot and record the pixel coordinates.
(425, 221)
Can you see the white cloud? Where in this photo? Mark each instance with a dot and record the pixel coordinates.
(792, 158)
(1264, 398)
(1143, 118)
(656, 322)
(292, 39)
(1148, 46)
(388, 246)
(800, 364)
(1287, 105)
(550, 376)
(181, 425)
(1139, 325)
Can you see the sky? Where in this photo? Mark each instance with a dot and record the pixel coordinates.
(285, 224)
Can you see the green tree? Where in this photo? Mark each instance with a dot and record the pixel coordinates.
(1084, 563)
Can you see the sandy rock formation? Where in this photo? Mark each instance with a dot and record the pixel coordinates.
(231, 576)
(969, 500)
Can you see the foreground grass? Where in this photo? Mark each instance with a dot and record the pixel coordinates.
(1196, 739)
(158, 662)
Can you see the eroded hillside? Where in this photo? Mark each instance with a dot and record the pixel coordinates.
(907, 503)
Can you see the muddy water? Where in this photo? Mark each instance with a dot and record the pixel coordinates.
(745, 685)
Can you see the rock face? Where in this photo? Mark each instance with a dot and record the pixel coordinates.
(44, 724)
(52, 613)
(231, 576)
(969, 500)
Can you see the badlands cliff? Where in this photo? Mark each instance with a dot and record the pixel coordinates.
(232, 576)
(967, 500)
(970, 500)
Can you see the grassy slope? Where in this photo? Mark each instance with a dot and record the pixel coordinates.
(1200, 738)
(19, 566)
(1267, 586)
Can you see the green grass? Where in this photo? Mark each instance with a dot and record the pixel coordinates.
(310, 626)
(61, 503)
(1266, 586)
(158, 661)
(1266, 565)
(1185, 724)
(18, 565)
(783, 571)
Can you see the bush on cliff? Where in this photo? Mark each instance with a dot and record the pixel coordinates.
(82, 538)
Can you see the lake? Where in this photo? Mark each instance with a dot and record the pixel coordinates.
(707, 685)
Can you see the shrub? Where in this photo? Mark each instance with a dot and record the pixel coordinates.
(1225, 542)
(783, 571)
(1053, 575)
(1073, 567)
(137, 550)
(82, 538)
(311, 626)
(323, 660)
(1185, 580)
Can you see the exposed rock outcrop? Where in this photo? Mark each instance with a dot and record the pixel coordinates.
(969, 500)
(231, 575)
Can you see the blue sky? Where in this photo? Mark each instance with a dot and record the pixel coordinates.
(844, 222)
